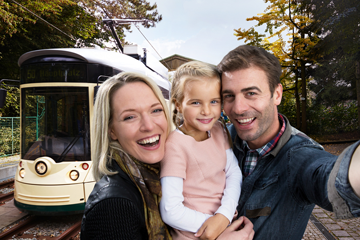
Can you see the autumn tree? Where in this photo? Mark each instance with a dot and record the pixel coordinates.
(290, 36)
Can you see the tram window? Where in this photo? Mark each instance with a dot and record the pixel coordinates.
(96, 70)
(55, 123)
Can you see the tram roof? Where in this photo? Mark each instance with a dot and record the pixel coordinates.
(112, 59)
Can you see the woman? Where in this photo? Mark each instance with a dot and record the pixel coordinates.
(130, 125)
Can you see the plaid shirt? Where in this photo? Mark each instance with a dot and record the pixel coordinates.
(252, 156)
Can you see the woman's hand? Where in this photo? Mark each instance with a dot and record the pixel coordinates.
(213, 227)
(241, 229)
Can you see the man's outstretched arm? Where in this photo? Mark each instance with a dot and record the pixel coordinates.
(344, 183)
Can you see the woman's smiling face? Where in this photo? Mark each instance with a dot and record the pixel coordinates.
(138, 122)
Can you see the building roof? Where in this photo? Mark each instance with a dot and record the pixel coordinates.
(174, 61)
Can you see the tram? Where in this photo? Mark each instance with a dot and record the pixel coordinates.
(57, 87)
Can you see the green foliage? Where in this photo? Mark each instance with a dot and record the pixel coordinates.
(79, 23)
(338, 22)
(10, 138)
(12, 102)
(288, 109)
(338, 118)
(323, 120)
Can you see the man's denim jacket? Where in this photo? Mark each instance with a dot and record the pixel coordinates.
(280, 194)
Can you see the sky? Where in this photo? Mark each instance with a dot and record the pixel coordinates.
(198, 29)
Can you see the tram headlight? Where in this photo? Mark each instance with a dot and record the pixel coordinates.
(74, 175)
(22, 173)
(85, 166)
(41, 168)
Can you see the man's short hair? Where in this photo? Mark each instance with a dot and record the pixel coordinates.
(246, 56)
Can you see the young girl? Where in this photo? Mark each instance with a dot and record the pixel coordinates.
(200, 176)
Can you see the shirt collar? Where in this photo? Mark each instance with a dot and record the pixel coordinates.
(270, 145)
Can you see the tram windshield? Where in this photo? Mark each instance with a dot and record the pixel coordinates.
(55, 123)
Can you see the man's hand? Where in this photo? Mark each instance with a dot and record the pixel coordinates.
(241, 229)
(213, 227)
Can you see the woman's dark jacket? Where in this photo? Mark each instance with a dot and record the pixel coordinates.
(114, 210)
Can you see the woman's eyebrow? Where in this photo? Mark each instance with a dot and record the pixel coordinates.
(133, 109)
(155, 104)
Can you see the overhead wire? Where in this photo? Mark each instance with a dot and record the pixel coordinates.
(127, 13)
(153, 48)
(72, 38)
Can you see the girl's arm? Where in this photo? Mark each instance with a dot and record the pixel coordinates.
(232, 189)
(173, 212)
(215, 225)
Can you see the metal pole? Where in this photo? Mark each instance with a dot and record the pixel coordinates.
(12, 136)
(110, 24)
(37, 118)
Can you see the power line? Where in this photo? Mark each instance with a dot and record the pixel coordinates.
(151, 45)
(72, 38)
(127, 13)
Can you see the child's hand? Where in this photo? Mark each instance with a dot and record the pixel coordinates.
(239, 229)
(213, 227)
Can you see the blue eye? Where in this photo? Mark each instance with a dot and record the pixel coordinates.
(195, 103)
(128, 118)
(214, 101)
(158, 110)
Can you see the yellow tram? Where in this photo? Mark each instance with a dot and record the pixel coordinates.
(57, 94)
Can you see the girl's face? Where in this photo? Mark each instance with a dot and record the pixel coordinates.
(139, 123)
(201, 107)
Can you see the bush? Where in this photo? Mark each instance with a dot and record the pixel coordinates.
(340, 118)
(6, 140)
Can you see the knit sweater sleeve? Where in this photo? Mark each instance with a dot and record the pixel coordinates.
(114, 218)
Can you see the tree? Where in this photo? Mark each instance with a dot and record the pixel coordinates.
(338, 23)
(68, 23)
(291, 23)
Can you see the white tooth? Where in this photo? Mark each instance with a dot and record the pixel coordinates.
(149, 140)
(245, 120)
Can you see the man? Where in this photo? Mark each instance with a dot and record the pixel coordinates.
(285, 172)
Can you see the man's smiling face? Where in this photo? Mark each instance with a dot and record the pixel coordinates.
(250, 105)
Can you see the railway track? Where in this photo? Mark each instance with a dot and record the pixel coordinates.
(39, 227)
(4, 197)
(30, 228)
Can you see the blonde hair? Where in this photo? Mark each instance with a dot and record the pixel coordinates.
(190, 71)
(102, 146)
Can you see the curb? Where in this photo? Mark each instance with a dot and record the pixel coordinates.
(338, 141)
